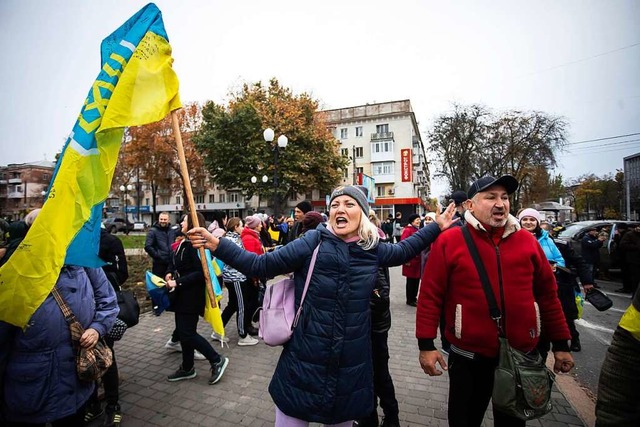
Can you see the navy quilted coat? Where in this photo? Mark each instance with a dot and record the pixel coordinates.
(325, 373)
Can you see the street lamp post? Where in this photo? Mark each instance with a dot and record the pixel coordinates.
(268, 135)
(254, 180)
(126, 190)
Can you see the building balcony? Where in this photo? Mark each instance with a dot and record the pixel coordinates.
(3, 182)
(384, 179)
(383, 156)
(15, 195)
(15, 180)
(381, 136)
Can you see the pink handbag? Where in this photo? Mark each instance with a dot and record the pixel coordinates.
(279, 317)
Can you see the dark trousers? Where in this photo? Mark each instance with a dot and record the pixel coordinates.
(412, 289)
(382, 382)
(470, 388)
(187, 327)
(110, 381)
(75, 420)
(634, 277)
(159, 268)
(243, 297)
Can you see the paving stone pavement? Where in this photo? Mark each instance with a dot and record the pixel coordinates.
(241, 397)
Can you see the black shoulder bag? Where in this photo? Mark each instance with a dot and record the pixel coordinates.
(522, 383)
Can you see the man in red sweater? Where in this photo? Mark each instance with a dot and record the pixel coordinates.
(525, 289)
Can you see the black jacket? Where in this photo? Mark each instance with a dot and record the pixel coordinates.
(112, 252)
(379, 303)
(576, 266)
(591, 249)
(188, 297)
(158, 243)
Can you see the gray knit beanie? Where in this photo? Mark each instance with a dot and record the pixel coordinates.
(357, 193)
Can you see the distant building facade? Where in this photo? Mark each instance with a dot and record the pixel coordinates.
(386, 151)
(383, 143)
(22, 186)
(631, 202)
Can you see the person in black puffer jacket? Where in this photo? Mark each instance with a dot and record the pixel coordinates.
(383, 388)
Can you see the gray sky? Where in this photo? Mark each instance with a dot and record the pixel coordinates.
(577, 59)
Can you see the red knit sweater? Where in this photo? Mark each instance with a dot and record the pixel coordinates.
(529, 286)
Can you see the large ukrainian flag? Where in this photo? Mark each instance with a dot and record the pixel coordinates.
(136, 85)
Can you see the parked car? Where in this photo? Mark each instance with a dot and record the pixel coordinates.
(114, 225)
(608, 256)
(140, 226)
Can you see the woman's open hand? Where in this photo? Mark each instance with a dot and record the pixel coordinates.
(445, 219)
(200, 237)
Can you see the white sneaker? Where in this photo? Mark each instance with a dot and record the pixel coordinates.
(217, 337)
(173, 346)
(248, 340)
(198, 356)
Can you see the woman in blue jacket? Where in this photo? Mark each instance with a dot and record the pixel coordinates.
(530, 221)
(40, 381)
(324, 373)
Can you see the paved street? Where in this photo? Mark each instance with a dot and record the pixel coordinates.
(241, 397)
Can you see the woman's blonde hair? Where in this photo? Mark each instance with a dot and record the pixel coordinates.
(368, 233)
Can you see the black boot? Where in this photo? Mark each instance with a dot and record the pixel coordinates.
(575, 345)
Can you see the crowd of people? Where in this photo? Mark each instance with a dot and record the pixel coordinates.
(335, 368)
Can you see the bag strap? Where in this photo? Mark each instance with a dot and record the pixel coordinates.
(306, 284)
(494, 311)
(69, 317)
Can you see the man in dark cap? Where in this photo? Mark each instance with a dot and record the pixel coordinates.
(459, 197)
(298, 213)
(516, 264)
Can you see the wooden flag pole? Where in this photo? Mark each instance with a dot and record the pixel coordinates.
(192, 205)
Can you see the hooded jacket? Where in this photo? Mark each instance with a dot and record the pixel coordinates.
(325, 372)
(517, 264)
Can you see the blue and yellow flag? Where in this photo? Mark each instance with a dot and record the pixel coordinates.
(135, 86)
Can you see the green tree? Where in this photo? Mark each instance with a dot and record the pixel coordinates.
(150, 152)
(231, 142)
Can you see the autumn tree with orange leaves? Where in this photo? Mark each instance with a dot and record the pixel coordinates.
(149, 152)
(231, 142)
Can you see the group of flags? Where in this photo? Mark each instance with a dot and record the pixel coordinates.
(136, 85)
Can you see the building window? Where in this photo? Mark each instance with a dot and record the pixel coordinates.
(166, 200)
(45, 177)
(380, 191)
(221, 198)
(382, 168)
(345, 152)
(212, 198)
(308, 196)
(345, 173)
(344, 133)
(359, 152)
(233, 213)
(358, 131)
(234, 197)
(382, 147)
(199, 198)
(359, 171)
(146, 201)
(382, 128)
(178, 200)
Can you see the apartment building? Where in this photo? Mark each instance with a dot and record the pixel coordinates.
(387, 155)
(23, 187)
(382, 141)
(631, 203)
